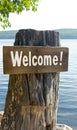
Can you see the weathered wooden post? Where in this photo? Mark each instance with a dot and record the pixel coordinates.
(31, 102)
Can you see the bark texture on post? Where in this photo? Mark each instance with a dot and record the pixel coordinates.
(31, 102)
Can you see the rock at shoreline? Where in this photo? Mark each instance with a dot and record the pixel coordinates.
(1, 114)
(63, 127)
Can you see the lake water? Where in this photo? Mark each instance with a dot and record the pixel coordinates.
(67, 111)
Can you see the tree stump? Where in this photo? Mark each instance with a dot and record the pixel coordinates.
(31, 102)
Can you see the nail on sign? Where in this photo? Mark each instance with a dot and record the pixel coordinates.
(34, 59)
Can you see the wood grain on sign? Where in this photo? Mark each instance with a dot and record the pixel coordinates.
(34, 59)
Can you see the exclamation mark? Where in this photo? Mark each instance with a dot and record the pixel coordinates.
(61, 57)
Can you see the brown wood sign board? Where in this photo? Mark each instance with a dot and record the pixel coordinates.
(34, 59)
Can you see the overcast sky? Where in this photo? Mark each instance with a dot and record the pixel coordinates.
(51, 14)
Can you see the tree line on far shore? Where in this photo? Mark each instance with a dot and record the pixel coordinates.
(64, 34)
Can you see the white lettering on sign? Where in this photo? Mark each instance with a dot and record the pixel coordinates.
(61, 57)
(16, 59)
(19, 59)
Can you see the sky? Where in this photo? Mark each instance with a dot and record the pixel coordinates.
(51, 14)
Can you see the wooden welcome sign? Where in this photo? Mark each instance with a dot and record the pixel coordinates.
(34, 59)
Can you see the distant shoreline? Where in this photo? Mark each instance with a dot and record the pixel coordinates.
(60, 38)
(64, 34)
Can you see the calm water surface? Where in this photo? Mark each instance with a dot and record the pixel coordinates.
(67, 112)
